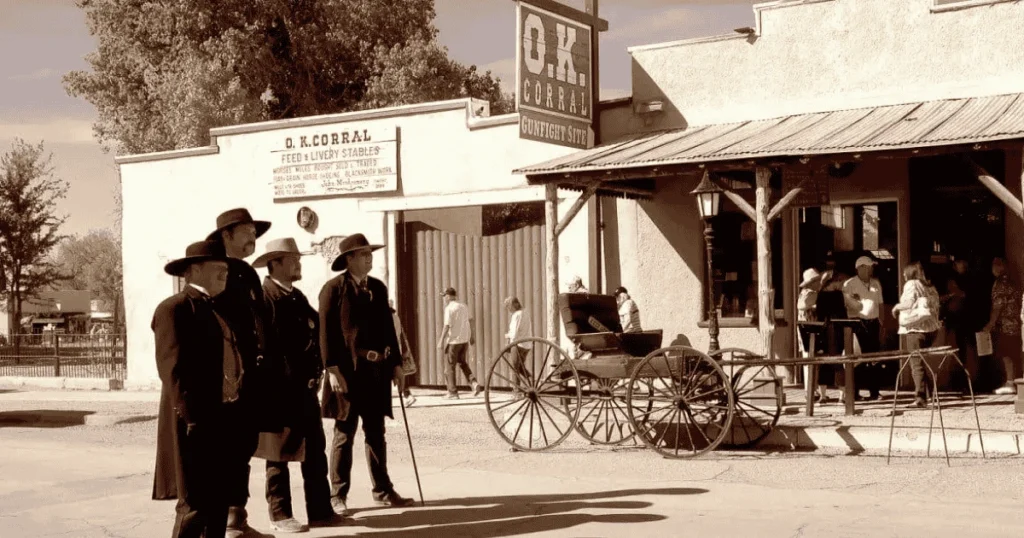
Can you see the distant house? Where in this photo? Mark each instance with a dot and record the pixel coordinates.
(65, 310)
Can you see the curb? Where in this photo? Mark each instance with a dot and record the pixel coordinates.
(30, 419)
(858, 439)
(61, 383)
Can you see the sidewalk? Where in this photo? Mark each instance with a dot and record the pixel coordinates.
(829, 428)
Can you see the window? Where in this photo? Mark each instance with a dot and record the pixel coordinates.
(734, 259)
(179, 284)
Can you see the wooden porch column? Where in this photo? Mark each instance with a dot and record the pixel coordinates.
(765, 294)
(551, 264)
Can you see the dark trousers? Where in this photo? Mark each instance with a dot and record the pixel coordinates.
(457, 358)
(241, 438)
(314, 472)
(202, 509)
(917, 341)
(519, 365)
(868, 376)
(376, 450)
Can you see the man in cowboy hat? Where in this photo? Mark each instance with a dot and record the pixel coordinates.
(200, 370)
(242, 305)
(295, 327)
(361, 353)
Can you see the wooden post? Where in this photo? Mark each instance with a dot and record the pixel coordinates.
(551, 264)
(596, 228)
(766, 306)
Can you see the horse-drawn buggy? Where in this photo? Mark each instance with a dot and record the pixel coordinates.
(613, 387)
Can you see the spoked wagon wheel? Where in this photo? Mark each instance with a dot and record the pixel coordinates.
(758, 395)
(543, 403)
(680, 402)
(603, 418)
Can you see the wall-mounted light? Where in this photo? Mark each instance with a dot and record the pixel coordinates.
(648, 110)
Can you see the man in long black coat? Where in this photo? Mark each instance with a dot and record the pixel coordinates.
(296, 329)
(242, 305)
(361, 354)
(200, 370)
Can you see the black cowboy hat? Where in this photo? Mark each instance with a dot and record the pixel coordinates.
(351, 243)
(202, 251)
(234, 217)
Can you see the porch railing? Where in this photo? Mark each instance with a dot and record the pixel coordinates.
(63, 355)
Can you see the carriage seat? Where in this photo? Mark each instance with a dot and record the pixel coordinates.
(578, 308)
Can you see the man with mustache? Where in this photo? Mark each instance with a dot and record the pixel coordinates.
(296, 330)
(200, 370)
(242, 305)
(361, 354)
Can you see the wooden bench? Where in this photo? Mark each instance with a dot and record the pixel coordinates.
(609, 353)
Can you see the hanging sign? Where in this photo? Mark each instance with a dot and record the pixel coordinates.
(815, 190)
(335, 161)
(554, 83)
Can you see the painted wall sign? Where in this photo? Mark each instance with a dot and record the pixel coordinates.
(554, 84)
(335, 162)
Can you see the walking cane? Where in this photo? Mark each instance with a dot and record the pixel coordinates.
(405, 421)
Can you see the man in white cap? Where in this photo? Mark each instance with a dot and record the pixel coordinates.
(863, 297)
(295, 327)
(576, 285)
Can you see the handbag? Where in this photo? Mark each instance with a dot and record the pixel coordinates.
(919, 312)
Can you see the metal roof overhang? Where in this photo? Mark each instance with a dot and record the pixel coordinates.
(631, 163)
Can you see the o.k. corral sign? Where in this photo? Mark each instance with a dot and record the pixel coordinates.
(554, 84)
(335, 162)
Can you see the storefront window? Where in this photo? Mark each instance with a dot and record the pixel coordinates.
(735, 254)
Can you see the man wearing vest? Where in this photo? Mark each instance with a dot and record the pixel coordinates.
(361, 353)
(201, 371)
(296, 330)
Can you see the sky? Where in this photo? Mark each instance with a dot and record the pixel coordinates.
(42, 40)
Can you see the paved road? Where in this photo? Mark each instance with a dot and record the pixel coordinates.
(94, 481)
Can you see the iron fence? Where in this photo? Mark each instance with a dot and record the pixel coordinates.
(63, 355)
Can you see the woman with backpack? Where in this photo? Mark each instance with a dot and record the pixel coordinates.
(918, 315)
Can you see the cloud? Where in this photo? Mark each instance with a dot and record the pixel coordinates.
(38, 74)
(674, 23)
(56, 131)
(505, 69)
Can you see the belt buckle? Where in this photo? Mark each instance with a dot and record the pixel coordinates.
(372, 356)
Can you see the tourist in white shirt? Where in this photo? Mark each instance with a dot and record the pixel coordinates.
(518, 329)
(455, 339)
(629, 312)
(863, 297)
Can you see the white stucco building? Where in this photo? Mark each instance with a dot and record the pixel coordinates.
(445, 222)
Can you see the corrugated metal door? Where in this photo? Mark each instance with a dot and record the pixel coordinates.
(484, 270)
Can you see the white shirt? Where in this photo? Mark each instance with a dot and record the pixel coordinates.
(629, 316)
(456, 318)
(284, 286)
(200, 288)
(870, 298)
(519, 328)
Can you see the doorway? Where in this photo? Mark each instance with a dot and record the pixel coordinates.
(845, 232)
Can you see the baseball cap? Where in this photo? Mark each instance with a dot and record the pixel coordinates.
(619, 290)
(863, 261)
(449, 291)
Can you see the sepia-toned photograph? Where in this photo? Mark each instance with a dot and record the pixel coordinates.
(552, 268)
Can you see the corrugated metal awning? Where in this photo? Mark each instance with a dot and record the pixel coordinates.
(905, 126)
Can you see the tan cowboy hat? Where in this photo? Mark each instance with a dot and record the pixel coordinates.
(199, 252)
(810, 276)
(351, 243)
(277, 248)
(234, 217)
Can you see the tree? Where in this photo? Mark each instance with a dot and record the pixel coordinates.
(29, 226)
(93, 262)
(165, 73)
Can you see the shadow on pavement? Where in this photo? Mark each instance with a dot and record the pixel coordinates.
(43, 418)
(510, 515)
